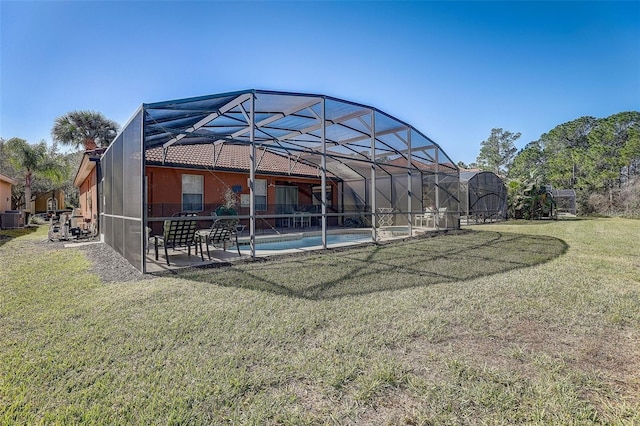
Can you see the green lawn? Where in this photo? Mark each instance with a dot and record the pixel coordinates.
(523, 322)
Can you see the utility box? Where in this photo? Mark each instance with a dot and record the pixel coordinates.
(12, 219)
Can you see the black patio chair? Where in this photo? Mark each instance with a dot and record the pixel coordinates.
(220, 233)
(178, 233)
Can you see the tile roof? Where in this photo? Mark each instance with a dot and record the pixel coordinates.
(5, 178)
(229, 157)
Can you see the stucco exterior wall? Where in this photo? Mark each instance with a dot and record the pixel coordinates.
(164, 190)
(165, 187)
(39, 205)
(88, 197)
(5, 196)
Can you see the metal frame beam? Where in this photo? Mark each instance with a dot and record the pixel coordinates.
(323, 177)
(317, 126)
(252, 179)
(409, 185)
(382, 133)
(374, 232)
(227, 107)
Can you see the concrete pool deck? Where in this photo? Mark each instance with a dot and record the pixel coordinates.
(179, 259)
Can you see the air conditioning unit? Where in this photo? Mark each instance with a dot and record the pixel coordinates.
(11, 219)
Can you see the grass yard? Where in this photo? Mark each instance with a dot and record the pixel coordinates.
(521, 322)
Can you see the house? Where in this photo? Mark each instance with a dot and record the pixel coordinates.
(8, 218)
(199, 178)
(43, 202)
(86, 181)
(5, 192)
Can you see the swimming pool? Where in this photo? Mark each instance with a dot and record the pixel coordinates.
(302, 241)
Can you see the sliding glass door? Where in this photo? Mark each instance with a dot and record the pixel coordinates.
(286, 202)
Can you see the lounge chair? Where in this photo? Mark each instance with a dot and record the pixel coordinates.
(220, 233)
(178, 233)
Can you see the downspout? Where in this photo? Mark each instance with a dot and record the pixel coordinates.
(98, 197)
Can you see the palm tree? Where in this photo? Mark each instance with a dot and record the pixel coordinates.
(33, 160)
(87, 129)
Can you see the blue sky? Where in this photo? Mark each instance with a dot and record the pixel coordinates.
(454, 70)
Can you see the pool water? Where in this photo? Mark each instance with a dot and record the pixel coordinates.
(309, 241)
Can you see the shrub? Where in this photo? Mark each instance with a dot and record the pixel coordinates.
(623, 201)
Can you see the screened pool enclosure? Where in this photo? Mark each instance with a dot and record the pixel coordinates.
(355, 166)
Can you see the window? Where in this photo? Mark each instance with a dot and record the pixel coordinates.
(260, 190)
(192, 193)
(261, 195)
(52, 204)
(317, 195)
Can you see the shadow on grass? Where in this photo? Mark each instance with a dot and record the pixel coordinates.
(460, 256)
(8, 234)
(529, 222)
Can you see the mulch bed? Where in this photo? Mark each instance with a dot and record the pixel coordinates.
(109, 265)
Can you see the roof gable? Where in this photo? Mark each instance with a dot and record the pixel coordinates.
(87, 164)
(7, 179)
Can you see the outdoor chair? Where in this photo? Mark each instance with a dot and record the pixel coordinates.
(59, 225)
(425, 218)
(178, 233)
(229, 222)
(301, 219)
(183, 214)
(220, 233)
(385, 216)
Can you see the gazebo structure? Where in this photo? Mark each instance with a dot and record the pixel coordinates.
(565, 201)
(483, 197)
(274, 153)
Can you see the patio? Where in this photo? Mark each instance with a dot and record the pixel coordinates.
(180, 259)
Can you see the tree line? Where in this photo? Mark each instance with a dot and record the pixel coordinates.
(599, 158)
(39, 168)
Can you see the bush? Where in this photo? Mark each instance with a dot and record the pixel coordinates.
(623, 201)
(37, 219)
